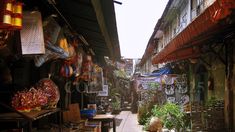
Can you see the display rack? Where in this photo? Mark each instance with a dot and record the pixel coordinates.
(16, 116)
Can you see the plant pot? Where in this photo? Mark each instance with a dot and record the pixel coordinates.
(115, 112)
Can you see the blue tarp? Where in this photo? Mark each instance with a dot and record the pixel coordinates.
(162, 71)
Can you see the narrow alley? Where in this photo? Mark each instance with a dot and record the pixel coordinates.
(117, 66)
(126, 121)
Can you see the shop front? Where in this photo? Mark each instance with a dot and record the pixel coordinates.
(209, 53)
(47, 67)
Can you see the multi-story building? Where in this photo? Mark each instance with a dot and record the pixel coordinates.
(129, 66)
(198, 37)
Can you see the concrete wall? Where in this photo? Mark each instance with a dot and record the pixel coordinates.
(218, 72)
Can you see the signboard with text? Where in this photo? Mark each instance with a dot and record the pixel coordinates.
(105, 91)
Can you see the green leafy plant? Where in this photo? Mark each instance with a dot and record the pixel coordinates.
(171, 115)
(143, 114)
(213, 101)
(116, 105)
(153, 85)
(115, 97)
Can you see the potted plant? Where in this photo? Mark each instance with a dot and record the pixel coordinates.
(115, 101)
(171, 116)
(116, 107)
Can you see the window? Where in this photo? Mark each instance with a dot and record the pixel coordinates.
(184, 20)
(193, 9)
(200, 6)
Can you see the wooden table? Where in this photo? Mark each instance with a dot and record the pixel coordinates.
(106, 117)
(29, 116)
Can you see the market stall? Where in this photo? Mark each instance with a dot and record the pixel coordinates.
(45, 65)
(163, 96)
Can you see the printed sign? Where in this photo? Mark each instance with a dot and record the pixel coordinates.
(32, 40)
(105, 91)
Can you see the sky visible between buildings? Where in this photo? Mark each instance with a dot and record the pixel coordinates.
(136, 20)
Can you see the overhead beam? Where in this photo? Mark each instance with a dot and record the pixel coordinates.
(103, 26)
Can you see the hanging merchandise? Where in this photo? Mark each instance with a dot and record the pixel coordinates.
(41, 59)
(78, 64)
(66, 70)
(4, 35)
(32, 41)
(78, 58)
(87, 68)
(10, 14)
(182, 88)
(97, 80)
(171, 99)
(62, 42)
(168, 80)
(51, 30)
(176, 89)
(169, 89)
(52, 34)
(72, 66)
(56, 45)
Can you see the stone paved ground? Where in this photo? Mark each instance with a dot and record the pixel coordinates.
(127, 122)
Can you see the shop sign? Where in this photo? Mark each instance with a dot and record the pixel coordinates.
(148, 83)
(105, 91)
(32, 40)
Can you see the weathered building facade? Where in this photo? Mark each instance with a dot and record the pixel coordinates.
(198, 37)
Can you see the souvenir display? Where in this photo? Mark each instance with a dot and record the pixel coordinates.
(171, 99)
(54, 48)
(22, 101)
(67, 70)
(181, 88)
(177, 90)
(87, 68)
(57, 47)
(25, 101)
(184, 100)
(96, 83)
(51, 91)
(39, 60)
(44, 95)
(169, 89)
(168, 80)
(51, 30)
(78, 63)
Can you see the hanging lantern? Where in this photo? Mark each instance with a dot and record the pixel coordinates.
(10, 14)
(16, 22)
(17, 8)
(5, 13)
(17, 16)
(8, 6)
